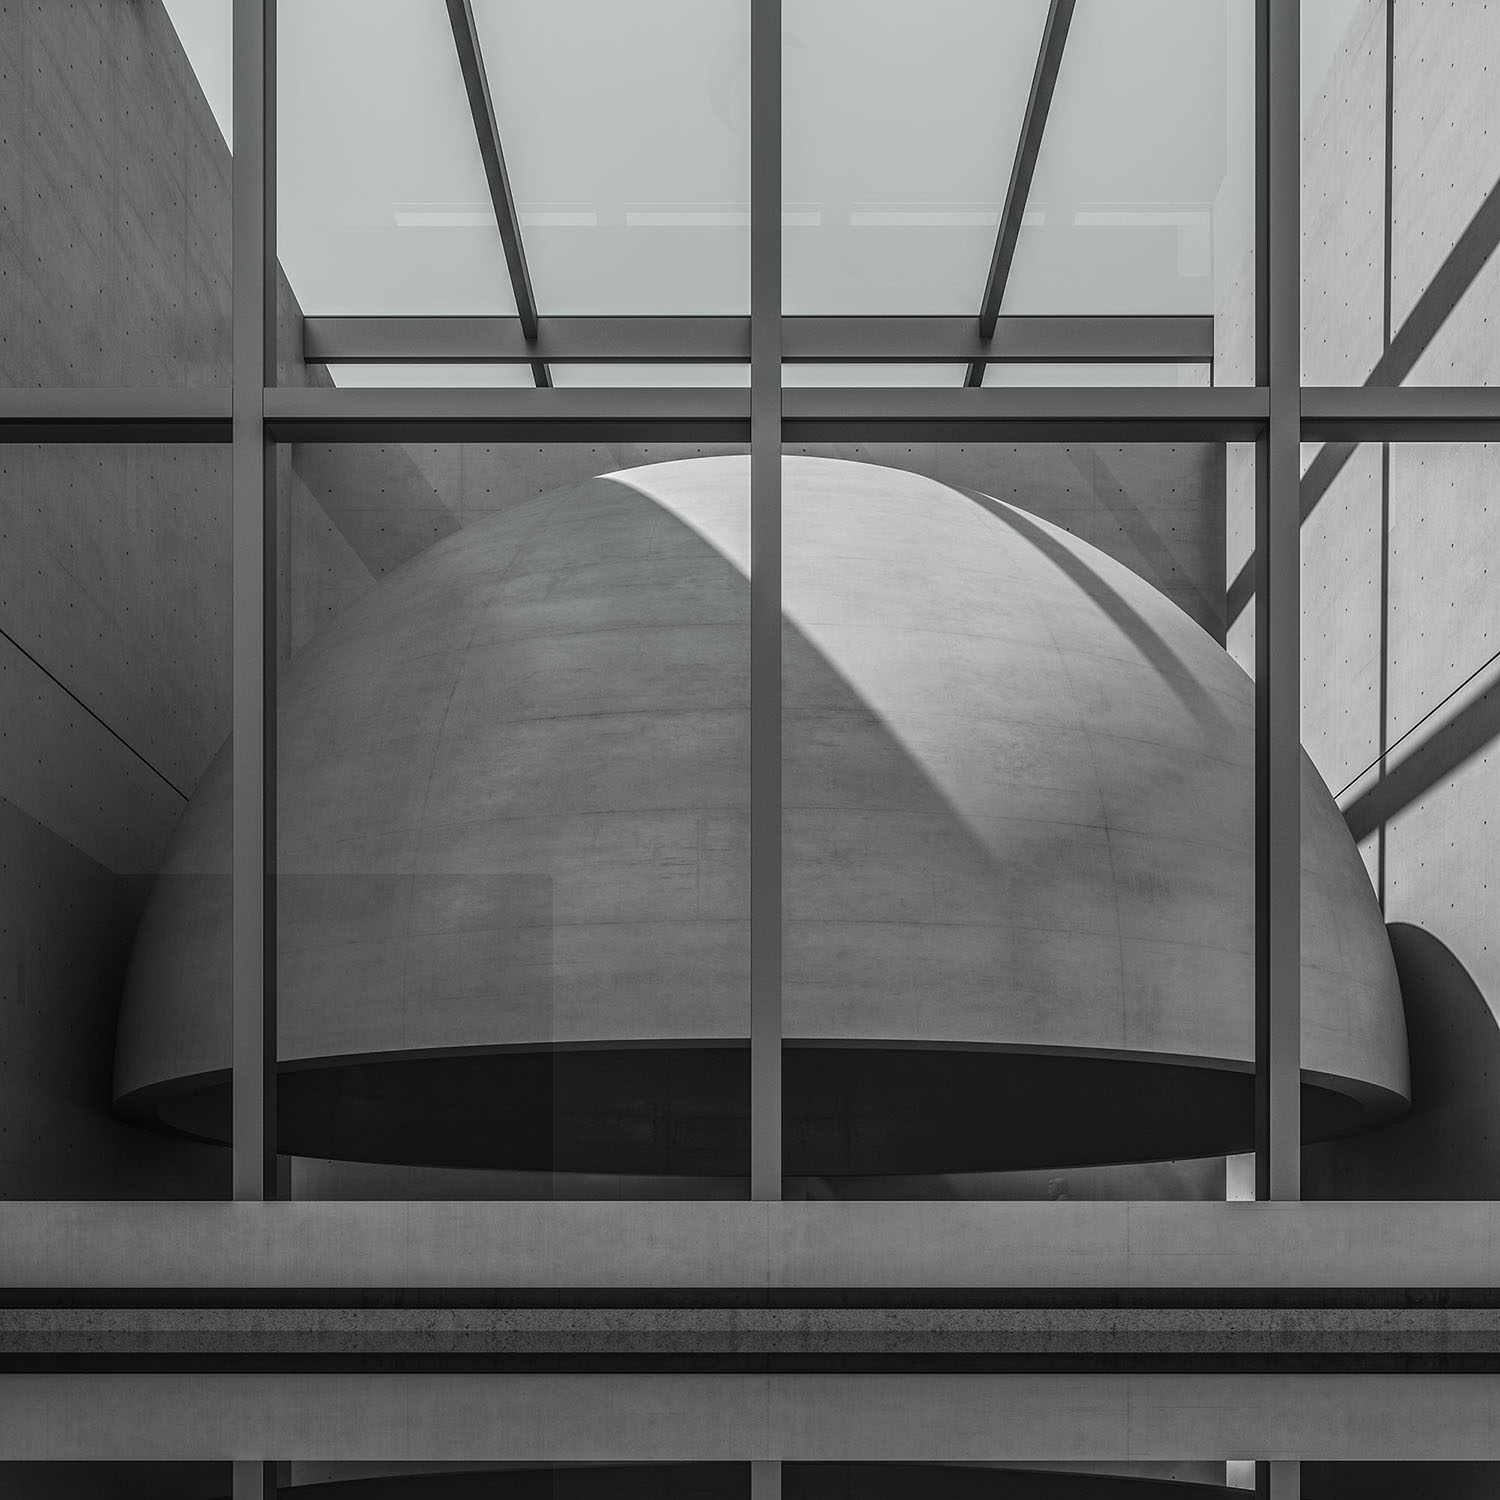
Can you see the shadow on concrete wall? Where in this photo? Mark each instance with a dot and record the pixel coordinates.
(1449, 1145)
(1468, 732)
(1452, 279)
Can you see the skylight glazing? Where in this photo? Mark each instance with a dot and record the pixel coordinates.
(899, 127)
(626, 135)
(383, 205)
(1142, 199)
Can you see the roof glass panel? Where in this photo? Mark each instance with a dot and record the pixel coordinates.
(625, 129)
(1156, 374)
(672, 376)
(871, 375)
(383, 203)
(625, 126)
(899, 128)
(1143, 192)
(447, 376)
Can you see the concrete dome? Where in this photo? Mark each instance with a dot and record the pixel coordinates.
(1018, 855)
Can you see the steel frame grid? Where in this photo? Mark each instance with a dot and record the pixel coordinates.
(1277, 413)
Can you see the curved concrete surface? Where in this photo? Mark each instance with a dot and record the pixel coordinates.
(1018, 870)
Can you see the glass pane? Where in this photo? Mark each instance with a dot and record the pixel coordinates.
(674, 376)
(626, 136)
(1019, 811)
(1111, 374)
(1400, 281)
(506, 376)
(872, 374)
(513, 791)
(114, 203)
(899, 128)
(115, 690)
(383, 206)
(1143, 194)
(1401, 714)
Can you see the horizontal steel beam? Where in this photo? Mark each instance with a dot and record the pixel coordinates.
(515, 416)
(1120, 414)
(129, 415)
(1401, 414)
(810, 415)
(726, 340)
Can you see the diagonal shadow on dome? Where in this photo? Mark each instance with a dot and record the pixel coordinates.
(1153, 647)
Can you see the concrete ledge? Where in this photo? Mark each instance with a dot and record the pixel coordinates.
(749, 1245)
(734, 1418)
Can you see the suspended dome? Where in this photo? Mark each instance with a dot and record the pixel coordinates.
(514, 835)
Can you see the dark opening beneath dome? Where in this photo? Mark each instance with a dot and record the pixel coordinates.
(685, 1110)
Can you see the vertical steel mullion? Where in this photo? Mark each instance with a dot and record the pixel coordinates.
(254, 632)
(765, 600)
(1278, 694)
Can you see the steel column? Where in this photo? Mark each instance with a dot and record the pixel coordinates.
(254, 581)
(765, 603)
(1278, 622)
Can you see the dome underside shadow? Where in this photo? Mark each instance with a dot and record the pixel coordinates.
(848, 1111)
